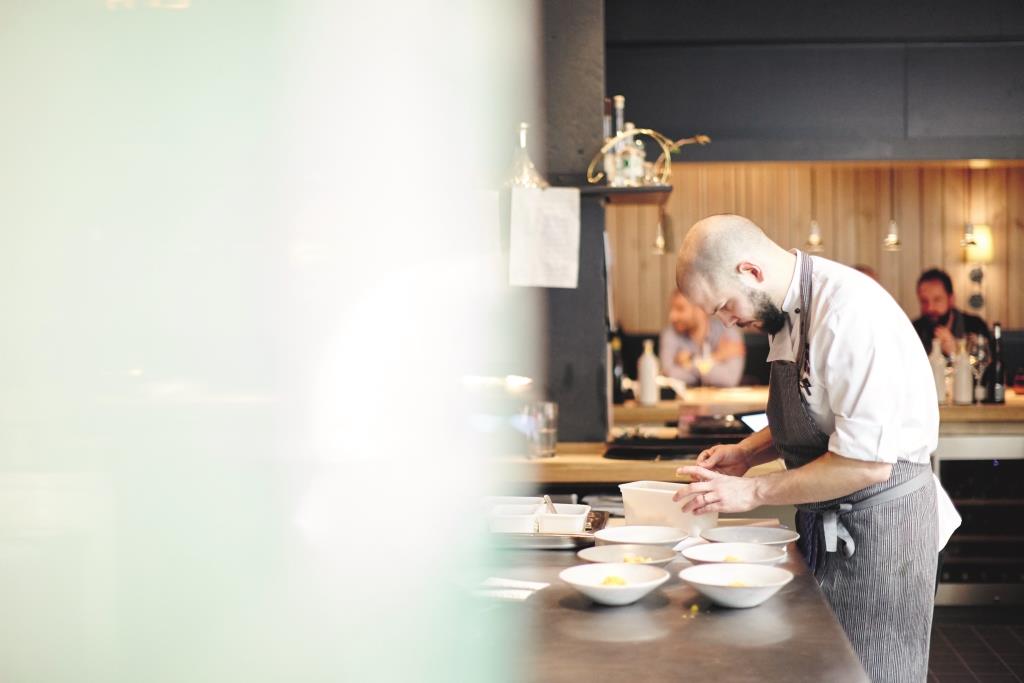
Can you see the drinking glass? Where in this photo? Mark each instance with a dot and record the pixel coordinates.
(542, 428)
(977, 352)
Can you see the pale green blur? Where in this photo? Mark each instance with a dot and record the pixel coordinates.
(239, 280)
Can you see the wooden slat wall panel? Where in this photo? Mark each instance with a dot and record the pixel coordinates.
(996, 293)
(852, 202)
(1015, 247)
(908, 218)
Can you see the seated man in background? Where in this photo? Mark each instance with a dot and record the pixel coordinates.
(699, 350)
(940, 320)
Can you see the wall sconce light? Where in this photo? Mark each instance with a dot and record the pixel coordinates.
(977, 244)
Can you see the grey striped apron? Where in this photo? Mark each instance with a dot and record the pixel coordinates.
(873, 551)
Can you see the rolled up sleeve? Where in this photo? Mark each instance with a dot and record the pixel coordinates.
(864, 391)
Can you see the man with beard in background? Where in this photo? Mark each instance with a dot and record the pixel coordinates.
(940, 320)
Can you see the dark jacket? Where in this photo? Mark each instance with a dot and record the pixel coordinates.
(962, 325)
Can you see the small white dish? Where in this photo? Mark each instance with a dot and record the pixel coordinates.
(640, 579)
(731, 553)
(657, 555)
(513, 519)
(763, 535)
(644, 535)
(736, 585)
(566, 519)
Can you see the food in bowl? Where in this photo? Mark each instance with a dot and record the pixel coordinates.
(612, 580)
(736, 585)
(629, 558)
(637, 581)
(629, 553)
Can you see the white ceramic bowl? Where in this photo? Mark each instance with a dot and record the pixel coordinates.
(567, 519)
(764, 535)
(745, 553)
(660, 555)
(640, 580)
(736, 585)
(650, 502)
(644, 535)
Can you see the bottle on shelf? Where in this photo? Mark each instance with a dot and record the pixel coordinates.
(647, 374)
(963, 380)
(633, 157)
(938, 362)
(995, 373)
(618, 179)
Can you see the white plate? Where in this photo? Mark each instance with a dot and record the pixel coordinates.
(745, 553)
(644, 535)
(736, 585)
(764, 535)
(660, 555)
(640, 579)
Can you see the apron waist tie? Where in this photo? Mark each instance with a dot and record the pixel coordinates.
(831, 517)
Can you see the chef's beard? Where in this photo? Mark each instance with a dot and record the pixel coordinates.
(771, 317)
(943, 319)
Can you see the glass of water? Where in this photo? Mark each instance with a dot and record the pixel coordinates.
(542, 432)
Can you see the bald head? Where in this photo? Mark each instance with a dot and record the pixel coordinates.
(726, 262)
(715, 246)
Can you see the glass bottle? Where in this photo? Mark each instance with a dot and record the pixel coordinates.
(524, 173)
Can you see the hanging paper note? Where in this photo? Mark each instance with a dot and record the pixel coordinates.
(544, 244)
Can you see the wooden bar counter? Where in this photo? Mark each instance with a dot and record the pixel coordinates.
(998, 426)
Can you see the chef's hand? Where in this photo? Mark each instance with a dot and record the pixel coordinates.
(727, 458)
(715, 492)
(684, 359)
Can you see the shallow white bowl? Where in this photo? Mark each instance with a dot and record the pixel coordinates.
(760, 582)
(763, 535)
(745, 553)
(660, 555)
(644, 535)
(640, 579)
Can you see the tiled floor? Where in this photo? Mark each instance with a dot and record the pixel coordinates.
(977, 644)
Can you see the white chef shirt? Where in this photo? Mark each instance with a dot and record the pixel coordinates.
(872, 389)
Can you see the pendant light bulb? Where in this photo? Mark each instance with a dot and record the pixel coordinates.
(892, 239)
(814, 237)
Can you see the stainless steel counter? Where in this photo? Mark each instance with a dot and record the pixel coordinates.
(792, 637)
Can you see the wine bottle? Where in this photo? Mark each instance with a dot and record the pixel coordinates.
(995, 373)
(619, 180)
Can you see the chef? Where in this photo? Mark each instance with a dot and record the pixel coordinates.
(853, 412)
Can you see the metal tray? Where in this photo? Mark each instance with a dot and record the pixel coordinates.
(596, 521)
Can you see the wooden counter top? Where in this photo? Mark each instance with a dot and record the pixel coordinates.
(583, 463)
(975, 419)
